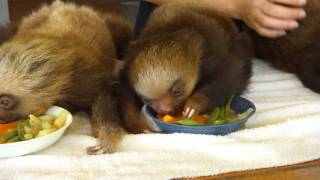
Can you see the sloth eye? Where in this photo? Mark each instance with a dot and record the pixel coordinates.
(176, 90)
(7, 102)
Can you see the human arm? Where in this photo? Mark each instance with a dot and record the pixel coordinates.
(270, 18)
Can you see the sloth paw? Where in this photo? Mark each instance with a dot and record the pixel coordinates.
(194, 105)
(107, 143)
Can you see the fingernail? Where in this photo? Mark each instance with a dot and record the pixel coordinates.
(302, 2)
(293, 25)
(282, 33)
(302, 14)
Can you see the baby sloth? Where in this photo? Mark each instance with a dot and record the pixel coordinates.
(186, 59)
(64, 54)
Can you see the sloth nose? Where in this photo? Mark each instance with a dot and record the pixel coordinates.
(165, 105)
(165, 109)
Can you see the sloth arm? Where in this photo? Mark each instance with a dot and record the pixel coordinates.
(130, 109)
(106, 124)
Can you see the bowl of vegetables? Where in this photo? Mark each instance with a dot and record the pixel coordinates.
(222, 120)
(34, 133)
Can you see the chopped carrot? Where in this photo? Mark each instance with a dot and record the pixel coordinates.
(5, 127)
(169, 119)
(12, 125)
(200, 118)
(3, 131)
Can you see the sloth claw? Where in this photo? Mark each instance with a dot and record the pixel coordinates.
(98, 149)
(189, 112)
(93, 148)
(106, 143)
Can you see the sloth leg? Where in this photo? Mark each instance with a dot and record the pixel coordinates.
(106, 124)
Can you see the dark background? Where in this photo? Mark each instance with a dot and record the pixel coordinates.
(20, 8)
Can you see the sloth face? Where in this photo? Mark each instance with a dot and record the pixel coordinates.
(30, 77)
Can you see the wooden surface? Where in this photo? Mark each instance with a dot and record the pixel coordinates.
(20, 8)
(304, 171)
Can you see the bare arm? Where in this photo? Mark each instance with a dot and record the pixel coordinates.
(219, 6)
(271, 18)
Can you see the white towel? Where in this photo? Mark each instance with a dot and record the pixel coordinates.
(285, 130)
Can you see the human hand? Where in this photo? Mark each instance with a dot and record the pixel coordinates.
(271, 18)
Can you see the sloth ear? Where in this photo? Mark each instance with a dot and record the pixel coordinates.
(7, 31)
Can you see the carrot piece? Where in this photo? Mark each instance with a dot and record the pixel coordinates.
(169, 119)
(5, 127)
(3, 131)
(200, 118)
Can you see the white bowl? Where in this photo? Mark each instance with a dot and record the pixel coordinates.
(36, 144)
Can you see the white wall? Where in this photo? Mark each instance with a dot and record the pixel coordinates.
(4, 11)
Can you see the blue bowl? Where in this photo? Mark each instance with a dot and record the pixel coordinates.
(238, 104)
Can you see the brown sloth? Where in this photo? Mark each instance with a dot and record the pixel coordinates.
(186, 59)
(64, 54)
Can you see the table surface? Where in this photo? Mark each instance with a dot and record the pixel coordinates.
(309, 170)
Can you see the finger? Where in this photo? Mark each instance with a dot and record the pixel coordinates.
(280, 11)
(297, 3)
(270, 33)
(274, 23)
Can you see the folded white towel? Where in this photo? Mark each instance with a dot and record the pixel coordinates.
(285, 130)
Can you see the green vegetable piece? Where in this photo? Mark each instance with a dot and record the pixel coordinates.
(14, 139)
(221, 116)
(20, 128)
(219, 122)
(8, 135)
(242, 115)
(188, 122)
(227, 108)
(20, 131)
(232, 116)
(214, 115)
